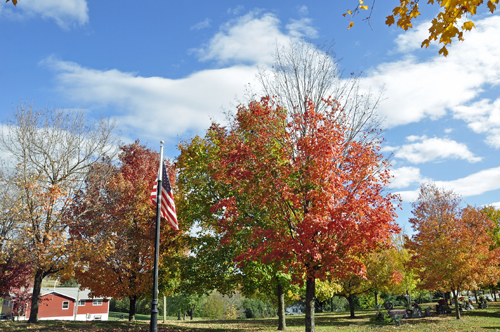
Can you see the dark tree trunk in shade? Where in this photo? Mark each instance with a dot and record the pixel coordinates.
(475, 295)
(191, 312)
(310, 300)
(281, 308)
(376, 299)
(350, 298)
(131, 314)
(331, 304)
(37, 286)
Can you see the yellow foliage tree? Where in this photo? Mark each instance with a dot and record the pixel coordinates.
(451, 22)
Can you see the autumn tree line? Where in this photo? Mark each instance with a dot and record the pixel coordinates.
(288, 198)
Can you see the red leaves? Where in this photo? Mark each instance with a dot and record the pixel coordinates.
(319, 194)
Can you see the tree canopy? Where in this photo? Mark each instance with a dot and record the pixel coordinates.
(112, 224)
(451, 245)
(321, 191)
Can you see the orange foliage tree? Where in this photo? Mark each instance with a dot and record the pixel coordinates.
(53, 151)
(322, 193)
(451, 247)
(113, 225)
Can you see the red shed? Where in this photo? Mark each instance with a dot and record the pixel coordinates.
(59, 304)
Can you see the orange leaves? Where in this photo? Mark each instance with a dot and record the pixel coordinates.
(453, 244)
(113, 225)
(318, 201)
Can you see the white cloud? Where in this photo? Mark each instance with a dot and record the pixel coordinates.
(65, 13)
(201, 25)
(428, 149)
(301, 28)
(448, 130)
(154, 106)
(405, 176)
(413, 138)
(472, 185)
(303, 10)
(495, 205)
(482, 116)
(412, 39)
(428, 89)
(235, 11)
(252, 38)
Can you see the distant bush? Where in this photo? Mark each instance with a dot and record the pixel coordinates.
(340, 303)
(256, 308)
(213, 307)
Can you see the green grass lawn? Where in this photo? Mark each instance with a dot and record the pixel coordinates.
(117, 316)
(477, 320)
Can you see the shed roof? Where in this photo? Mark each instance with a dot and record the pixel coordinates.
(71, 292)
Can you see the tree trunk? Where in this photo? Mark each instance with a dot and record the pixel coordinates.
(457, 307)
(164, 309)
(191, 312)
(495, 295)
(376, 299)
(351, 305)
(331, 304)
(310, 299)
(281, 308)
(475, 295)
(37, 286)
(179, 315)
(131, 311)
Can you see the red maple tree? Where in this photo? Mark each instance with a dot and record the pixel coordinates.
(113, 227)
(321, 192)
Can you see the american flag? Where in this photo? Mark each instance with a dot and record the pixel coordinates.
(167, 200)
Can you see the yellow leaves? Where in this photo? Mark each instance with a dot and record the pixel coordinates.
(445, 26)
(361, 6)
(389, 20)
(491, 5)
(468, 26)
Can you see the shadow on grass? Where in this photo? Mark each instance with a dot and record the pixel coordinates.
(481, 313)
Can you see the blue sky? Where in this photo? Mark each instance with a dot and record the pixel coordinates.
(165, 69)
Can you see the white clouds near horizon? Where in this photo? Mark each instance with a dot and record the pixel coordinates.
(65, 13)
(471, 185)
(404, 177)
(424, 149)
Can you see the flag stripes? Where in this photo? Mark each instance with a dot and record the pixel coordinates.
(167, 207)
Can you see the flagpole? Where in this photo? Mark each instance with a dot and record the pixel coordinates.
(153, 326)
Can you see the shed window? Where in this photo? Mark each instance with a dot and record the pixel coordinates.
(65, 305)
